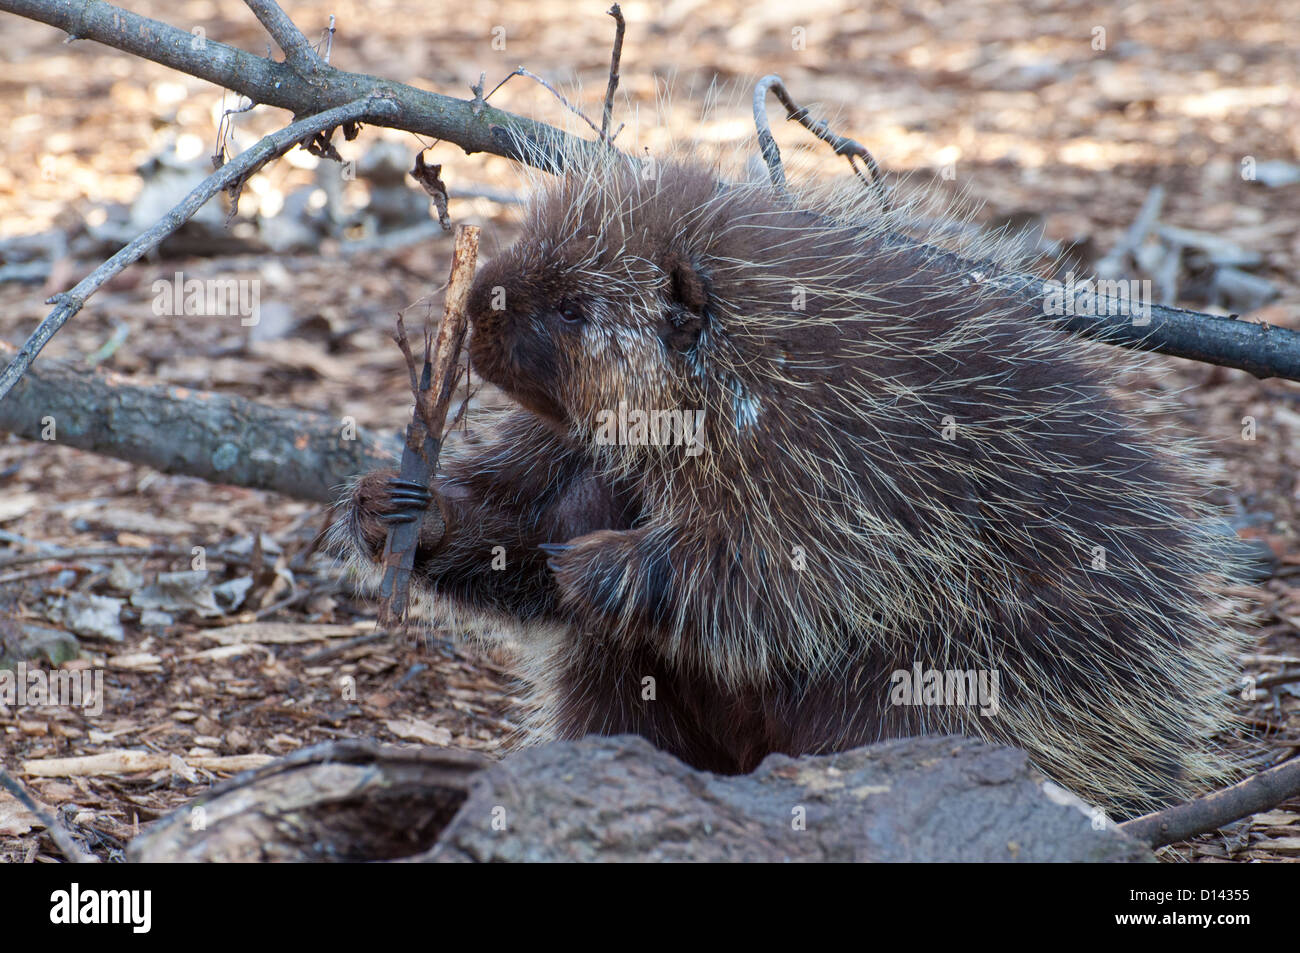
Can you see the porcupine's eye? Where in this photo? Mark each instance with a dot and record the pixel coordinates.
(570, 312)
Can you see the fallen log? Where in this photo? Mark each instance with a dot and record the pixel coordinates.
(619, 799)
(340, 801)
(222, 438)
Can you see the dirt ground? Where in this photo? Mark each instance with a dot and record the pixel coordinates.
(1009, 102)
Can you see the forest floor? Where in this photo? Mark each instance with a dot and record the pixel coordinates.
(1007, 102)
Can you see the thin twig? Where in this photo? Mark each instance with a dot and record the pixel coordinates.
(1266, 681)
(23, 575)
(340, 648)
(1258, 793)
(298, 53)
(620, 28)
(843, 146)
(224, 128)
(520, 71)
(403, 342)
(228, 176)
(114, 552)
(298, 595)
(1280, 678)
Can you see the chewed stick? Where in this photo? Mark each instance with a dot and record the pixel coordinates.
(424, 434)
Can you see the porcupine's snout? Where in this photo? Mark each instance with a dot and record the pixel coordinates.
(489, 335)
(510, 345)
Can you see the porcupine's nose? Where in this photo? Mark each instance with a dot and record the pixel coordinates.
(498, 353)
(485, 332)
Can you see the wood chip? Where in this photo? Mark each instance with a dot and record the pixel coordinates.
(125, 761)
(220, 653)
(279, 633)
(136, 662)
(414, 729)
(16, 819)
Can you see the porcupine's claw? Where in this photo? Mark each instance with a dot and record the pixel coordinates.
(397, 483)
(553, 550)
(408, 504)
(408, 495)
(408, 500)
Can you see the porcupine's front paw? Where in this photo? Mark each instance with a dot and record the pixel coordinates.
(382, 500)
(611, 572)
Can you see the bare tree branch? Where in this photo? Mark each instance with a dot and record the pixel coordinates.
(424, 436)
(217, 437)
(1209, 813)
(473, 126)
(1260, 349)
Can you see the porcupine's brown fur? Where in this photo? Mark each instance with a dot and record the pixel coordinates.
(823, 448)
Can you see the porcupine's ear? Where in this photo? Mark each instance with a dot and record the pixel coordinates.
(688, 301)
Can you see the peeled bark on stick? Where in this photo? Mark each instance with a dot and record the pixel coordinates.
(425, 432)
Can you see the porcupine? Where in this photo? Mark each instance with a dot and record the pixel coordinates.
(898, 465)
